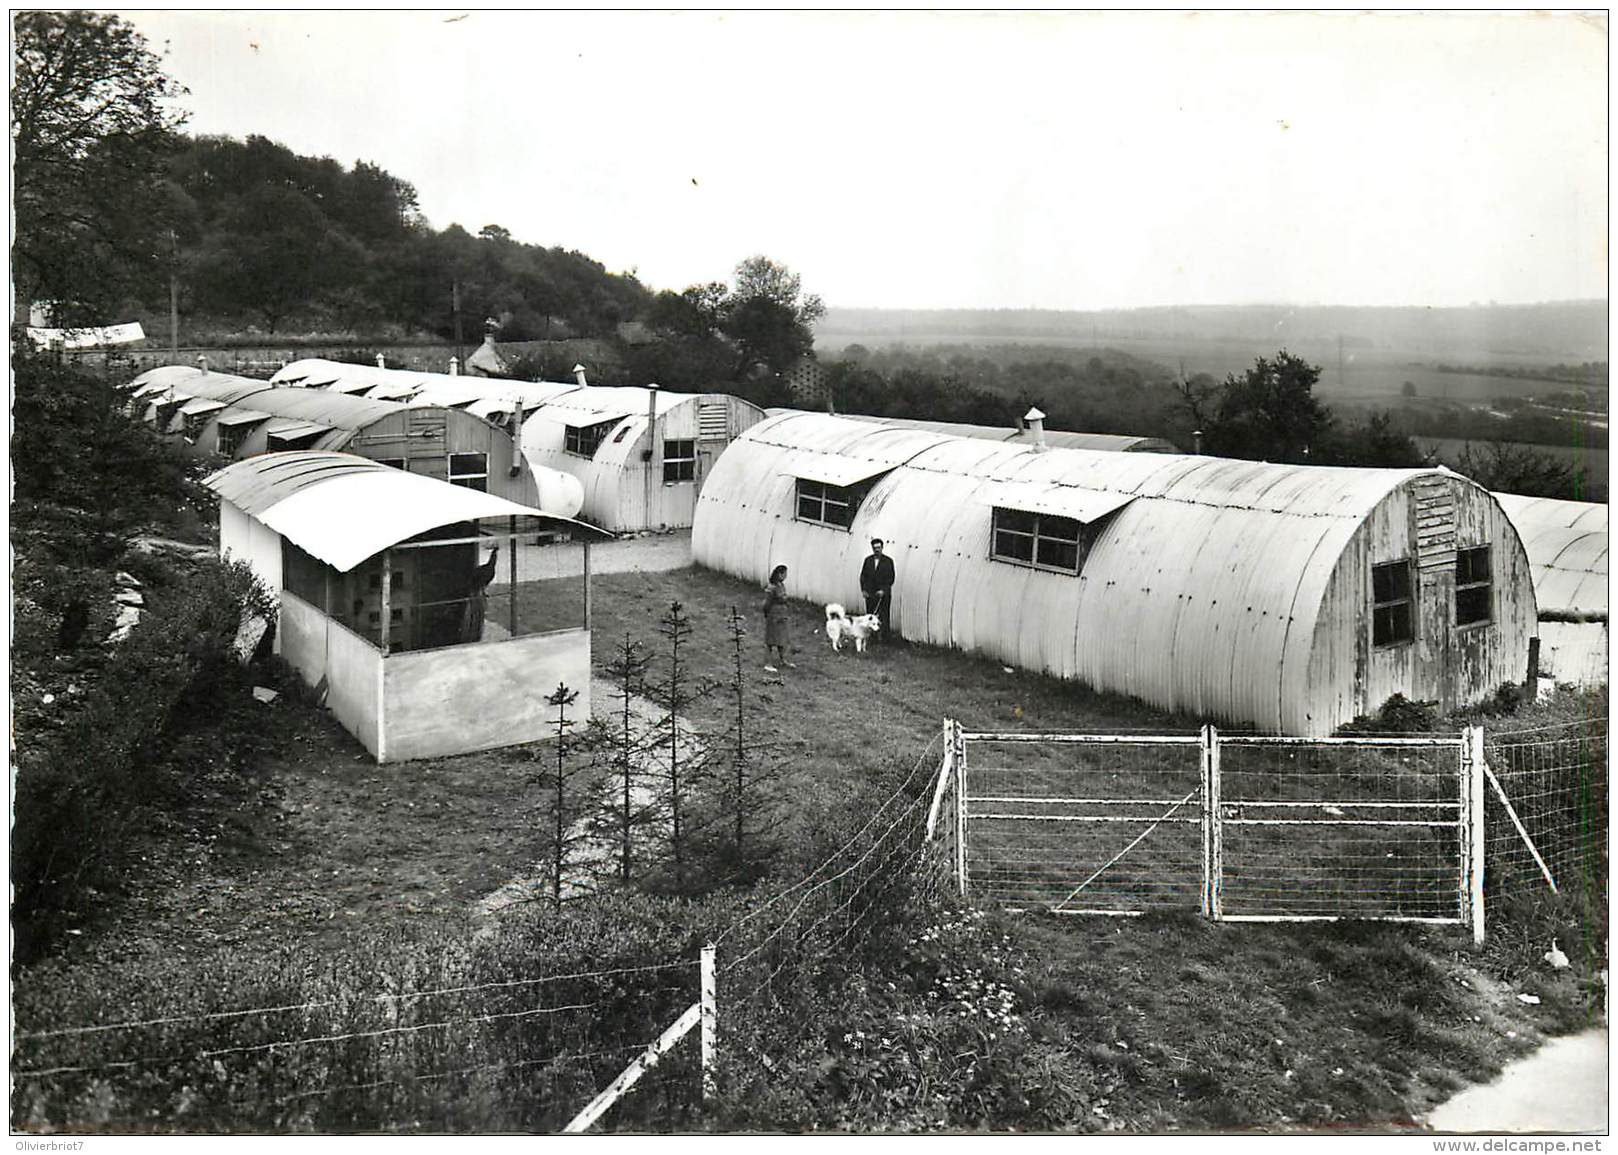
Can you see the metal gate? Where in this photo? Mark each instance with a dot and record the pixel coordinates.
(1238, 827)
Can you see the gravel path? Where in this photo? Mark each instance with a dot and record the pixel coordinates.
(1561, 1088)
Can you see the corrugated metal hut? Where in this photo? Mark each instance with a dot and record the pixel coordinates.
(495, 399)
(239, 417)
(631, 480)
(642, 455)
(1291, 598)
(1567, 548)
(380, 578)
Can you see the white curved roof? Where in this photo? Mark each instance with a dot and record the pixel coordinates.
(484, 395)
(1202, 588)
(1567, 549)
(1061, 438)
(343, 509)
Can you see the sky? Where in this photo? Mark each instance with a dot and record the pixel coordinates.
(965, 160)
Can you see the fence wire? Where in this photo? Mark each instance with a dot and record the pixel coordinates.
(1555, 779)
(1105, 827)
(1366, 830)
(518, 1054)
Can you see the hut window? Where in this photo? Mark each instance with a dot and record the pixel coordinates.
(1392, 621)
(228, 438)
(193, 425)
(1041, 540)
(584, 440)
(1474, 588)
(470, 470)
(622, 431)
(827, 504)
(679, 460)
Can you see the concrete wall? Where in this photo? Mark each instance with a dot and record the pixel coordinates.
(246, 539)
(480, 696)
(317, 648)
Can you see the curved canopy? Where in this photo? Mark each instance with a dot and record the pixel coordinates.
(343, 509)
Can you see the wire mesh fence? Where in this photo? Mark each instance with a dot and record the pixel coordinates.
(1103, 824)
(518, 1054)
(1238, 826)
(764, 954)
(1347, 829)
(1548, 820)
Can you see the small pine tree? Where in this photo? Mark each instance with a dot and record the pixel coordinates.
(682, 765)
(563, 830)
(620, 746)
(751, 767)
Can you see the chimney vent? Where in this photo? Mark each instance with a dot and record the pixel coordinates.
(578, 374)
(381, 361)
(454, 366)
(1034, 421)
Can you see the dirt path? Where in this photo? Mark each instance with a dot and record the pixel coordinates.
(1562, 1087)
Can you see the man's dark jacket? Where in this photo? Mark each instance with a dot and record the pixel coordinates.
(876, 575)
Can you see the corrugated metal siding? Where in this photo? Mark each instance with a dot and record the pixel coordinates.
(1567, 548)
(617, 495)
(1203, 594)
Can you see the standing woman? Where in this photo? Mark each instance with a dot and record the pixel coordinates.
(775, 618)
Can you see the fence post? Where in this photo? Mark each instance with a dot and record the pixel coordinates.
(710, 1020)
(1472, 807)
(1207, 825)
(1216, 831)
(958, 749)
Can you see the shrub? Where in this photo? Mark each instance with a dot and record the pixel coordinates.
(131, 743)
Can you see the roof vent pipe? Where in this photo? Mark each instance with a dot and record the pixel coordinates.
(654, 448)
(454, 366)
(1196, 441)
(202, 362)
(1035, 422)
(578, 375)
(381, 361)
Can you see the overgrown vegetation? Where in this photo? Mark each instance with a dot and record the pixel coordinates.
(108, 734)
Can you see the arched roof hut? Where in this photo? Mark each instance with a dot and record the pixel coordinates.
(1291, 598)
(240, 417)
(1567, 550)
(642, 454)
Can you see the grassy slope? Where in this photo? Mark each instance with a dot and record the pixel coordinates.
(335, 850)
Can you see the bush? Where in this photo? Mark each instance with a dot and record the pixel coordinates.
(130, 744)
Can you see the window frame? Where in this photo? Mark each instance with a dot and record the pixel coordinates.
(1044, 528)
(227, 439)
(1390, 604)
(846, 497)
(466, 479)
(1471, 587)
(576, 437)
(686, 463)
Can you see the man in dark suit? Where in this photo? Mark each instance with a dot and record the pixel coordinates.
(876, 583)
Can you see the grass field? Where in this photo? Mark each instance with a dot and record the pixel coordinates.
(1365, 374)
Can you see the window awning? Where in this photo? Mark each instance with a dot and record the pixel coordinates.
(341, 385)
(200, 405)
(289, 428)
(395, 392)
(839, 471)
(1086, 505)
(577, 420)
(243, 417)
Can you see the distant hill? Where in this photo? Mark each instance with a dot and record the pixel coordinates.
(1561, 331)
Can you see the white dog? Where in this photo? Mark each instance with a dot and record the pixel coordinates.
(839, 626)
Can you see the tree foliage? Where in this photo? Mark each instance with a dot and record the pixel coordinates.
(1269, 413)
(90, 136)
